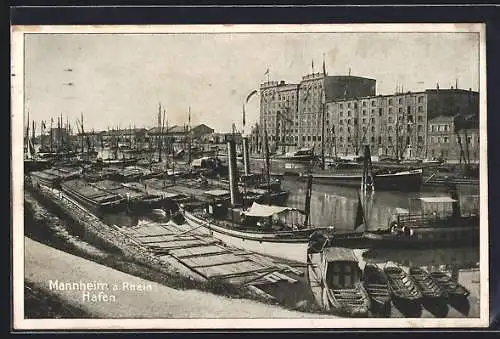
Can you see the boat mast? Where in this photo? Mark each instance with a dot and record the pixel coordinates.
(160, 132)
(51, 135)
(189, 135)
(367, 181)
(81, 123)
(323, 98)
(268, 164)
(308, 201)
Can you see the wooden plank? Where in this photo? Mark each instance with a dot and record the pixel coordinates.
(243, 273)
(216, 259)
(270, 279)
(220, 264)
(175, 245)
(242, 268)
(261, 293)
(199, 251)
(155, 235)
(285, 277)
(162, 239)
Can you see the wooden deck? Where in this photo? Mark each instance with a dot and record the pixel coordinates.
(210, 258)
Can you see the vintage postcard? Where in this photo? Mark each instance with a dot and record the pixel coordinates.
(249, 176)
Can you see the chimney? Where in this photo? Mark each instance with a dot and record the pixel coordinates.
(233, 180)
(246, 156)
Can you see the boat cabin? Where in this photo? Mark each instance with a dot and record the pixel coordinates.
(342, 268)
(270, 217)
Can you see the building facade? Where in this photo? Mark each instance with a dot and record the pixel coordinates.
(394, 125)
(292, 113)
(453, 139)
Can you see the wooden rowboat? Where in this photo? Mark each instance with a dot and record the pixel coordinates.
(377, 286)
(401, 285)
(426, 284)
(335, 280)
(453, 289)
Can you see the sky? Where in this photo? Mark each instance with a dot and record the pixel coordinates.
(119, 80)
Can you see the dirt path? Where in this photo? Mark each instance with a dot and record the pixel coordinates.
(120, 295)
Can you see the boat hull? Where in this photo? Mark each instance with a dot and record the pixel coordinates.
(401, 181)
(115, 205)
(291, 249)
(326, 298)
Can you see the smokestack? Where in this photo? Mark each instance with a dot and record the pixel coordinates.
(246, 156)
(233, 183)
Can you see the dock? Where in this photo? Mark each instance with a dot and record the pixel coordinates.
(210, 258)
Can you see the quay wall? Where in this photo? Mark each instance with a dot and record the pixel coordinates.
(126, 254)
(90, 229)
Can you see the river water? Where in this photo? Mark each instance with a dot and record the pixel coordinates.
(337, 206)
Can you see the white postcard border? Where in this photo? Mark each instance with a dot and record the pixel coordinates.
(17, 86)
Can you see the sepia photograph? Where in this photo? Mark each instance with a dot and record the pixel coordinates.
(249, 176)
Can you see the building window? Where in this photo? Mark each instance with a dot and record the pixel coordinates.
(308, 138)
(420, 128)
(390, 101)
(400, 101)
(348, 105)
(364, 121)
(355, 105)
(341, 139)
(374, 103)
(439, 140)
(380, 112)
(389, 139)
(445, 140)
(420, 99)
(400, 110)
(373, 129)
(373, 139)
(364, 103)
(341, 122)
(341, 113)
(420, 139)
(420, 118)
(341, 129)
(420, 108)
(389, 128)
(373, 111)
(469, 140)
(373, 120)
(348, 139)
(348, 121)
(341, 106)
(348, 113)
(364, 112)
(390, 110)
(389, 120)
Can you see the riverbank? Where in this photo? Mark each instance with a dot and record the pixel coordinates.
(115, 294)
(65, 232)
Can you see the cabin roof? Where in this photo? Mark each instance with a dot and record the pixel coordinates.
(217, 193)
(340, 254)
(258, 210)
(437, 199)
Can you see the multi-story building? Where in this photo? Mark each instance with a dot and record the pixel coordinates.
(454, 138)
(347, 113)
(292, 113)
(393, 125)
